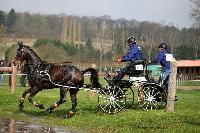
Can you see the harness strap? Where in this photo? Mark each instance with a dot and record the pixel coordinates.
(84, 87)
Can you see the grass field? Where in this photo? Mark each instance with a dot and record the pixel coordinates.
(189, 83)
(89, 118)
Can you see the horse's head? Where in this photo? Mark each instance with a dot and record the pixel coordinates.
(21, 54)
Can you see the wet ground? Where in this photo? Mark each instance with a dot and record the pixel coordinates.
(13, 126)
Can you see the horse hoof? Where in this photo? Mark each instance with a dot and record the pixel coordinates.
(49, 110)
(69, 114)
(41, 106)
(20, 109)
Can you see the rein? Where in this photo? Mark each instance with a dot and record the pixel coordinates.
(47, 74)
(33, 70)
(67, 86)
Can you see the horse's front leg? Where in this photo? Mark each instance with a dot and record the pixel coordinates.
(73, 93)
(33, 92)
(21, 101)
(63, 92)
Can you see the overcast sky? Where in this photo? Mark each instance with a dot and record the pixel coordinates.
(168, 11)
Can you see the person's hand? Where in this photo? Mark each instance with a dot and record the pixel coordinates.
(119, 59)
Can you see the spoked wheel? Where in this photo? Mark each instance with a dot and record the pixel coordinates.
(129, 94)
(111, 99)
(151, 97)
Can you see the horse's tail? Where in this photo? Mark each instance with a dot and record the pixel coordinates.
(94, 78)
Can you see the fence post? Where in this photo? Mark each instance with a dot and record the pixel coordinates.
(13, 78)
(172, 87)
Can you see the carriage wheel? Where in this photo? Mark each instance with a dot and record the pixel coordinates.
(129, 97)
(151, 98)
(111, 100)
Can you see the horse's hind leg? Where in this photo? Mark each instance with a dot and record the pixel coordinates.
(63, 91)
(73, 93)
(33, 92)
(21, 101)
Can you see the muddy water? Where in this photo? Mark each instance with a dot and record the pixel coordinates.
(13, 126)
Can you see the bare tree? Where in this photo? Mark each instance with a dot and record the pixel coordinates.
(64, 29)
(195, 13)
(2, 41)
(79, 33)
(102, 48)
(74, 30)
(196, 37)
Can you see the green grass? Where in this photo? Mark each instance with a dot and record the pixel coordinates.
(188, 83)
(89, 118)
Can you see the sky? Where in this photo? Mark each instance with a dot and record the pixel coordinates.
(176, 12)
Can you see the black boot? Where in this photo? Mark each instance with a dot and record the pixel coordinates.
(119, 76)
(176, 98)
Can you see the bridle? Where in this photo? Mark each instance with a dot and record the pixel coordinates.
(21, 53)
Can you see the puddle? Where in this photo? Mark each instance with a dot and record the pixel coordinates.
(13, 126)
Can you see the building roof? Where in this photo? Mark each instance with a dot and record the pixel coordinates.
(188, 63)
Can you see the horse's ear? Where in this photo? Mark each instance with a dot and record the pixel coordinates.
(20, 43)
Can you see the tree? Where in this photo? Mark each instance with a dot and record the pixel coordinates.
(182, 53)
(2, 18)
(11, 20)
(88, 43)
(52, 54)
(2, 41)
(10, 53)
(195, 13)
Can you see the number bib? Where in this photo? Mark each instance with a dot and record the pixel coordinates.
(138, 67)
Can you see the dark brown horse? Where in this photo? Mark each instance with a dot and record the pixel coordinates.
(42, 75)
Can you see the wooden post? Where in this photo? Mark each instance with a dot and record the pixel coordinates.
(13, 79)
(12, 69)
(172, 87)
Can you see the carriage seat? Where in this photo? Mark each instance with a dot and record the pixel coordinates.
(137, 69)
(140, 62)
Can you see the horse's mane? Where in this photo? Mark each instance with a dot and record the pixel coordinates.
(32, 53)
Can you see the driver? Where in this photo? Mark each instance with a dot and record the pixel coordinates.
(134, 54)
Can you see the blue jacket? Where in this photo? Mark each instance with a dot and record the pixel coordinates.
(134, 54)
(161, 58)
